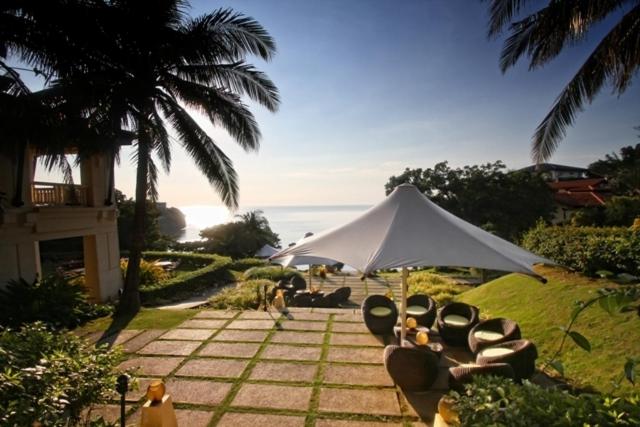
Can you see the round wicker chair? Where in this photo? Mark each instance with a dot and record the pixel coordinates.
(341, 295)
(460, 375)
(456, 333)
(298, 283)
(422, 308)
(410, 368)
(378, 320)
(302, 300)
(491, 332)
(521, 355)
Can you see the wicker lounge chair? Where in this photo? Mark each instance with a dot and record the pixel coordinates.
(410, 368)
(380, 314)
(298, 283)
(422, 308)
(491, 332)
(460, 375)
(455, 320)
(520, 354)
(341, 295)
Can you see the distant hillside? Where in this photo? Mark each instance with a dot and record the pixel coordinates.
(539, 308)
(171, 221)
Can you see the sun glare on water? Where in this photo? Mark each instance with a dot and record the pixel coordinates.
(203, 216)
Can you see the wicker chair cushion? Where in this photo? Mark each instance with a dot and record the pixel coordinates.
(416, 310)
(456, 320)
(488, 335)
(380, 311)
(495, 351)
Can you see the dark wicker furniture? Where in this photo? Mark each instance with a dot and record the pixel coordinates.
(298, 283)
(410, 368)
(460, 375)
(456, 335)
(426, 302)
(507, 328)
(377, 324)
(522, 358)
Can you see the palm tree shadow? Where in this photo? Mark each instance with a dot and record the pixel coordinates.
(118, 323)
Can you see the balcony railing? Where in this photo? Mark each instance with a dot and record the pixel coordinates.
(56, 194)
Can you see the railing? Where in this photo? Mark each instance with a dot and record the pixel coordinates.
(56, 194)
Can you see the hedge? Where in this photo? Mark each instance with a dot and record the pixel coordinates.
(244, 264)
(215, 271)
(587, 249)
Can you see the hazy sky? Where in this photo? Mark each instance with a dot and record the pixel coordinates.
(371, 87)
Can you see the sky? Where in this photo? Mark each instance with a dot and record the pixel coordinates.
(370, 87)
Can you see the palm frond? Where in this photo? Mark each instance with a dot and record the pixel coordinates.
(160, 140)
(222, 107)
(501, 13)
(237, 77)
(211, 161)
(605, 64)
(152, 180)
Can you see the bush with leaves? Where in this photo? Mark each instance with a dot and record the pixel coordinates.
(245, 295)
(244, 264)
(150, 273)
(271, 272)
(441, 288)
(52, 300)
(51, 377)
(500, 402)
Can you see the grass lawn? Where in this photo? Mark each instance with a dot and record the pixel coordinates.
(539, 308)
(146, 318)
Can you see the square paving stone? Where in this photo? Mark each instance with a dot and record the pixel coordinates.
(140, 392)
(203, 324)
(284, 371)
(251, 324)
(379, 402)
(215, 314)
(197, 391)
(120, 337)
(357, 374)
(225, 349)
(160, 366)
(324, 422)
(170, 348)
(290, 352)
(310, 316)
(273, 396)
(188, 334)
(258, 315)
(304, 325)
(110, 413)
(193, 418)
(236, 419)
(423, 404)
(298, 337)
(355, 355)
(348, 317)
(224, 368)
(357, 339)
(238, 335)
(349, 327)
(135, 344)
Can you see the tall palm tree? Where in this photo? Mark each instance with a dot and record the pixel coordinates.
(144, 68)
(542, 35)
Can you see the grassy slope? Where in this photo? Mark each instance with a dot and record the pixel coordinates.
(147, 318)
(538, 308)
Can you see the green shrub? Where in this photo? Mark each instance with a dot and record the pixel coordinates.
(500, 402)
(150, 273)
(51, 377)
(441, 288)
(52, 300)
(213, 274)
(587, 249)
(271, 272)
(244, 264)
(243, 296)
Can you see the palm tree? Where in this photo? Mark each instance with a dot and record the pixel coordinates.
(144, 68)
(542, 35)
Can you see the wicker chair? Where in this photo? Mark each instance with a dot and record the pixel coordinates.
(298, 283)
(379, 323)
(410, 368)
(507, 328)
(302, 300)
(457, 335)
(522, 358)
(419, 302)
(460, 375)
(341, 295)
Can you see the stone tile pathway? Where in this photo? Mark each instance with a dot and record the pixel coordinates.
(321, 368)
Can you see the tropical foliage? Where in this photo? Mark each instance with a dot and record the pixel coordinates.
(622, 171)
(50, 378)
(243, 296)
(545, 31)
(441, 288)
(241, 238)
(507, 203)
(271, 272)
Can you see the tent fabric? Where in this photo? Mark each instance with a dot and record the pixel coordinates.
(266, 251)
(408, 230)
(301, 260)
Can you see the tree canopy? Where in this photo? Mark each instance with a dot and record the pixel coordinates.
(488, 196)
(622, 171)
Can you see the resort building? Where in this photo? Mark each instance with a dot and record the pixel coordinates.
(32, 212)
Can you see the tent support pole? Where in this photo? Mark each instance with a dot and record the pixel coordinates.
(403, 307)
(310, 276)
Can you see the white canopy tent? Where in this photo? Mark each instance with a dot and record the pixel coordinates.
(293, 260)
(266, 251)
(408, 230)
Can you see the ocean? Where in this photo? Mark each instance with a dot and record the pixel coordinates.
(289, 222)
